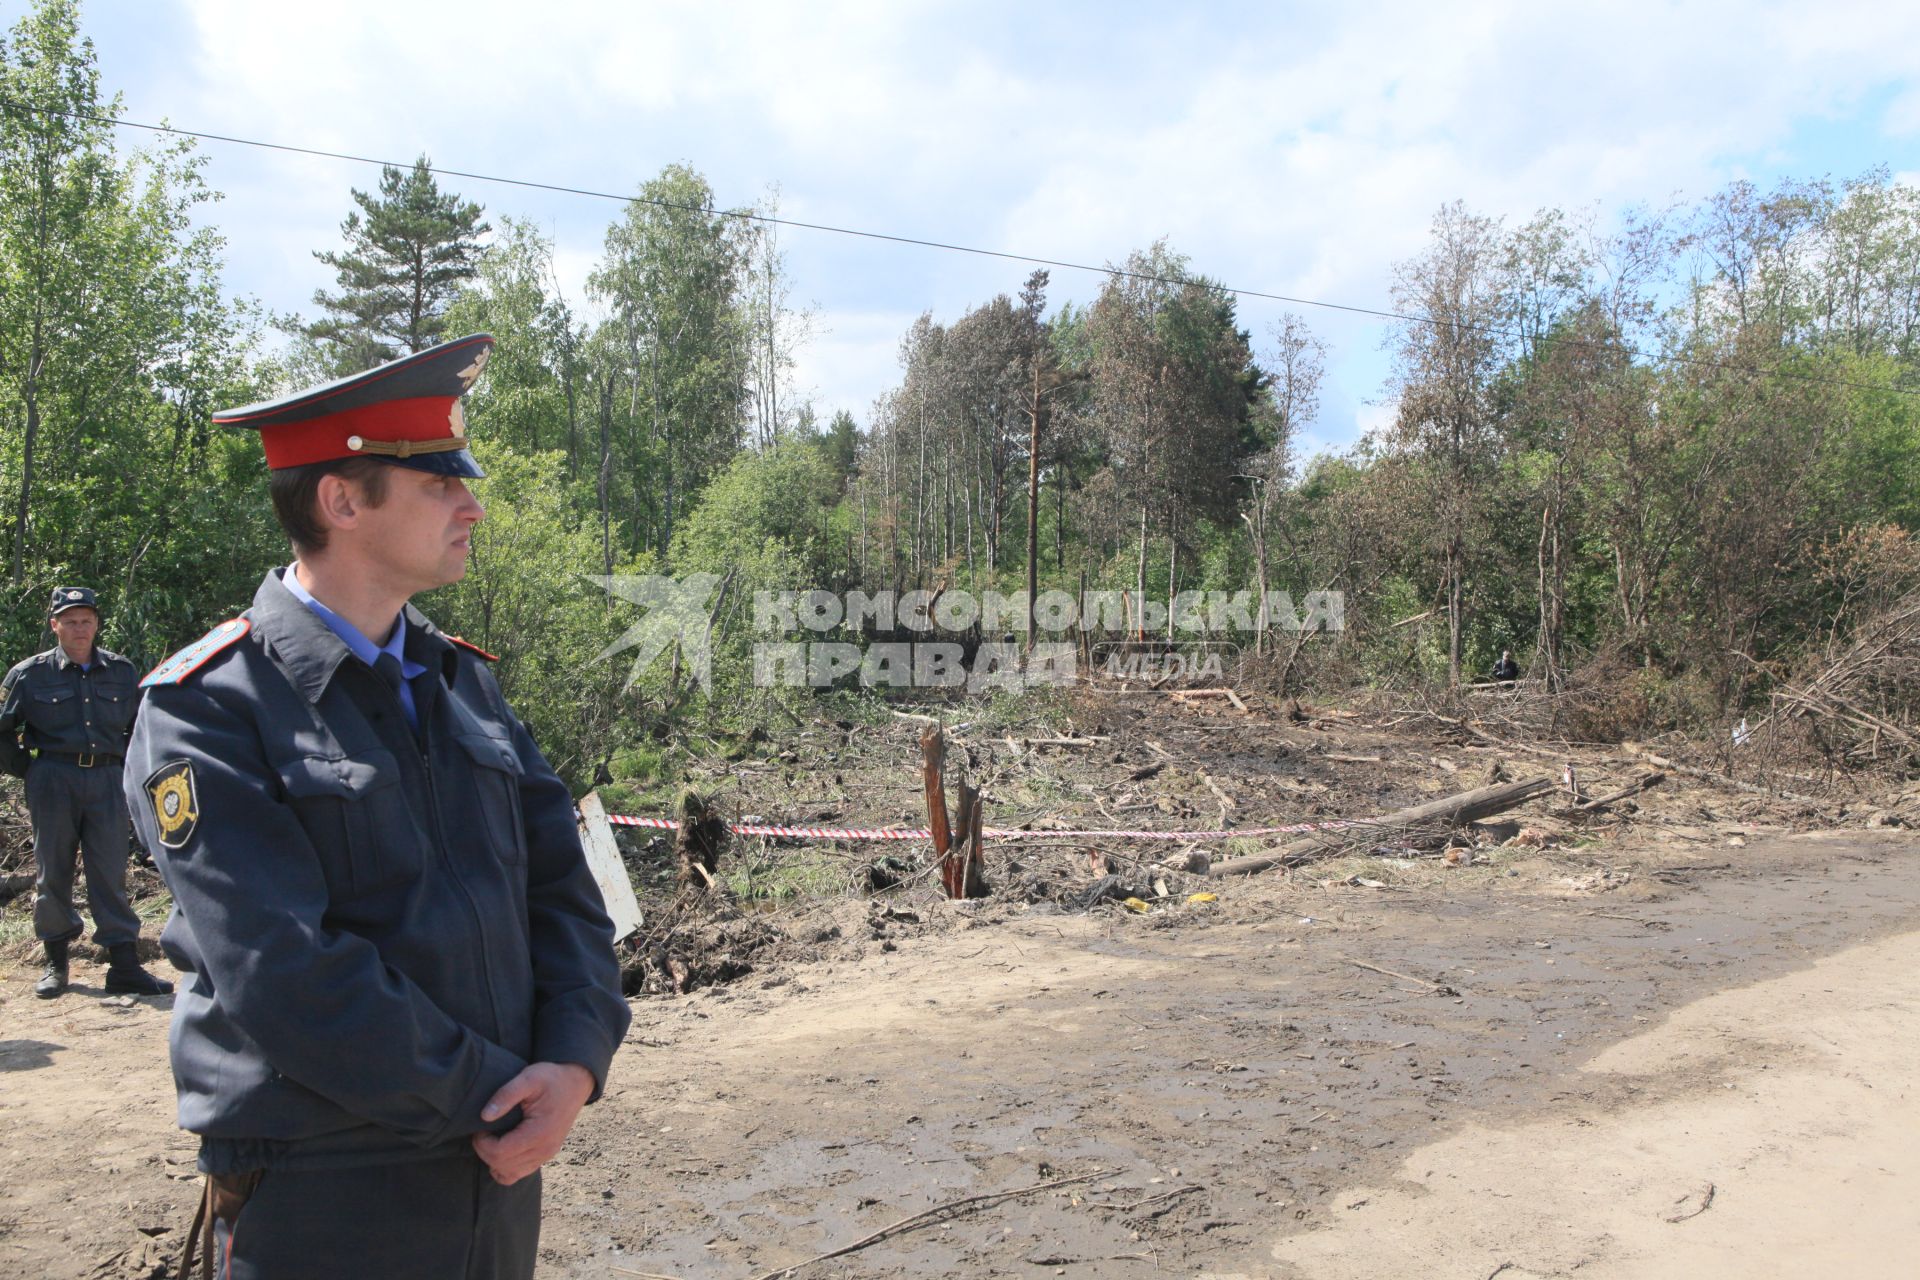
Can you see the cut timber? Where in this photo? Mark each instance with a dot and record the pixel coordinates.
(1633, 788)
(609, 871)
(1214, 787)
(1706, 775)
(1457, 810)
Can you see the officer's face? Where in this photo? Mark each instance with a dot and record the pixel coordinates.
(75, 629)
(422, 531)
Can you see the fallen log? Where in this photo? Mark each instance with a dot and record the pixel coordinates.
(1633, 788)
(1214, 787)
(1706, 775)
(1456, 810)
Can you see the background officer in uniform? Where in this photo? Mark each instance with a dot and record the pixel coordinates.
(75, 705)
(403, 981)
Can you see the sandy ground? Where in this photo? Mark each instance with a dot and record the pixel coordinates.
(1704, 1073)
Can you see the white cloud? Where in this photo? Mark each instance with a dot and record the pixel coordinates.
(853, 357)
(1375, 417)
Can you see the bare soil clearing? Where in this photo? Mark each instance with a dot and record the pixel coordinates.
(1522, 1067)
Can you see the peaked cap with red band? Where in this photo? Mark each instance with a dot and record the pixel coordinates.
(406, 412)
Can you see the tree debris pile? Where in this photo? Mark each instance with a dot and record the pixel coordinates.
(1860, 709)
(700, 942)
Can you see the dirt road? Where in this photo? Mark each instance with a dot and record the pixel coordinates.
(1706, 1074)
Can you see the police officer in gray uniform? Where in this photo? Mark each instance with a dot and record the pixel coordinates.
(74, 706)
(402, 981)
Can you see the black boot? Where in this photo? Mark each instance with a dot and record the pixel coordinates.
(125, 977)
(53, 980)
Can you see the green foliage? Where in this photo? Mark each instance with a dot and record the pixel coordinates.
(410, 248)
(525, 599)
(669, 359)
(531, 396)
(841, 441)
(767, 519)
(116, 344)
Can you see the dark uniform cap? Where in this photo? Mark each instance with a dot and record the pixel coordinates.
(406, 412)
(65, 598)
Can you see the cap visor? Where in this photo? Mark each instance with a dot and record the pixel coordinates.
(455, 462)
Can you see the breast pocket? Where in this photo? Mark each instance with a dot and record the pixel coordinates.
(54, 710)
(496, 775)
(114, 708)
(356, 814)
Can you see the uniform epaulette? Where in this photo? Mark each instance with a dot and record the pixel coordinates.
(471, 647)
(196, 655)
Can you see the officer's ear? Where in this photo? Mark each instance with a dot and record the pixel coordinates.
(338, 501)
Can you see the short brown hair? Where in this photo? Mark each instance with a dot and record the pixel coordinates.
(294, 490)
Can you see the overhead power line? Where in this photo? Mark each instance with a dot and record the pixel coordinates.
(749, 215)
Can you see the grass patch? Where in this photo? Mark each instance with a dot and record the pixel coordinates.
(789, 875)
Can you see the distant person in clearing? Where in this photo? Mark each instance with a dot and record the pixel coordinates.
(403, 981)
(1506, 670)
(64, 719)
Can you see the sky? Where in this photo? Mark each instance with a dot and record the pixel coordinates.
(1289, 149)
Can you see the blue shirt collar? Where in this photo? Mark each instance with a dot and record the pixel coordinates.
(362, 648)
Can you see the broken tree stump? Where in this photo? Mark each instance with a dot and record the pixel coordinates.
(964, 873)
(957, 847)
(1455, 810)
(933, 755)
(698, 844)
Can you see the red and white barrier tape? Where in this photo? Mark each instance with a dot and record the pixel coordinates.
(996, 833)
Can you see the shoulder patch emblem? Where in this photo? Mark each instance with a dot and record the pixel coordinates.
(176, 804)
(194, 656)
(471, 647)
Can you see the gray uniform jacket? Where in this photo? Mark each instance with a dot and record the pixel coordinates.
(67, 709)
(379, 930)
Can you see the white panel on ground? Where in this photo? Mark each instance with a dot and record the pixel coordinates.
(609, 872)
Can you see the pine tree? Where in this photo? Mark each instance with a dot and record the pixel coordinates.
(405, 261)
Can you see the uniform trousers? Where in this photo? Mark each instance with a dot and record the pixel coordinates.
(81, 810)
(440, 1219)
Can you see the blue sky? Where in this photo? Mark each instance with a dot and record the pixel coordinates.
(1291, 149)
